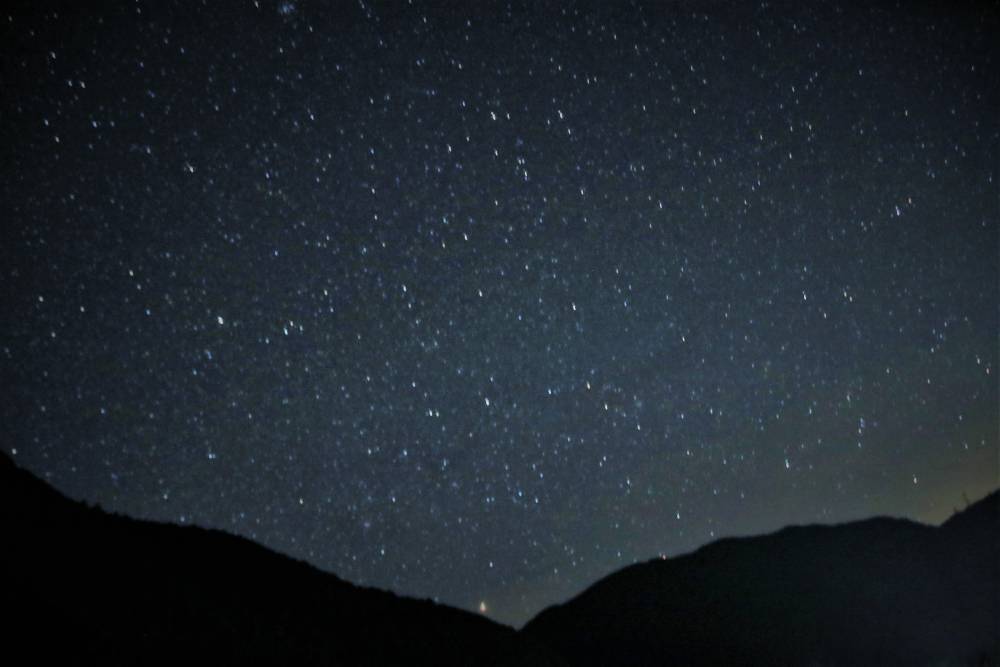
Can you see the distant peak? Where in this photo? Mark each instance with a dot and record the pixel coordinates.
(983, 512)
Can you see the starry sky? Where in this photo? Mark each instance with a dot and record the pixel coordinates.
(484, 301)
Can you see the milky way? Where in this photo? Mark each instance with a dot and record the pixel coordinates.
(481, 303)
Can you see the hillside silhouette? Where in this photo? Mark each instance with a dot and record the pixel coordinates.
(88, 587)
(875, 592)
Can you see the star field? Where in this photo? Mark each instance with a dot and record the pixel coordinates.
(481, 302)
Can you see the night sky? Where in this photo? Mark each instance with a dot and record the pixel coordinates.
(482, 302)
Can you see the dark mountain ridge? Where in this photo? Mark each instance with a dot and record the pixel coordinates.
(91, 587)
(88, 587)
(879, 591)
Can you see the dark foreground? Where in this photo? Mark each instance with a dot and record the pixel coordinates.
(87, 587)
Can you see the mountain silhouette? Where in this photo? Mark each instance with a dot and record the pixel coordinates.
(88, 587)
(875, 592)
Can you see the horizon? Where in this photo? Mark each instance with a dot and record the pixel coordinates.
(587, 586)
